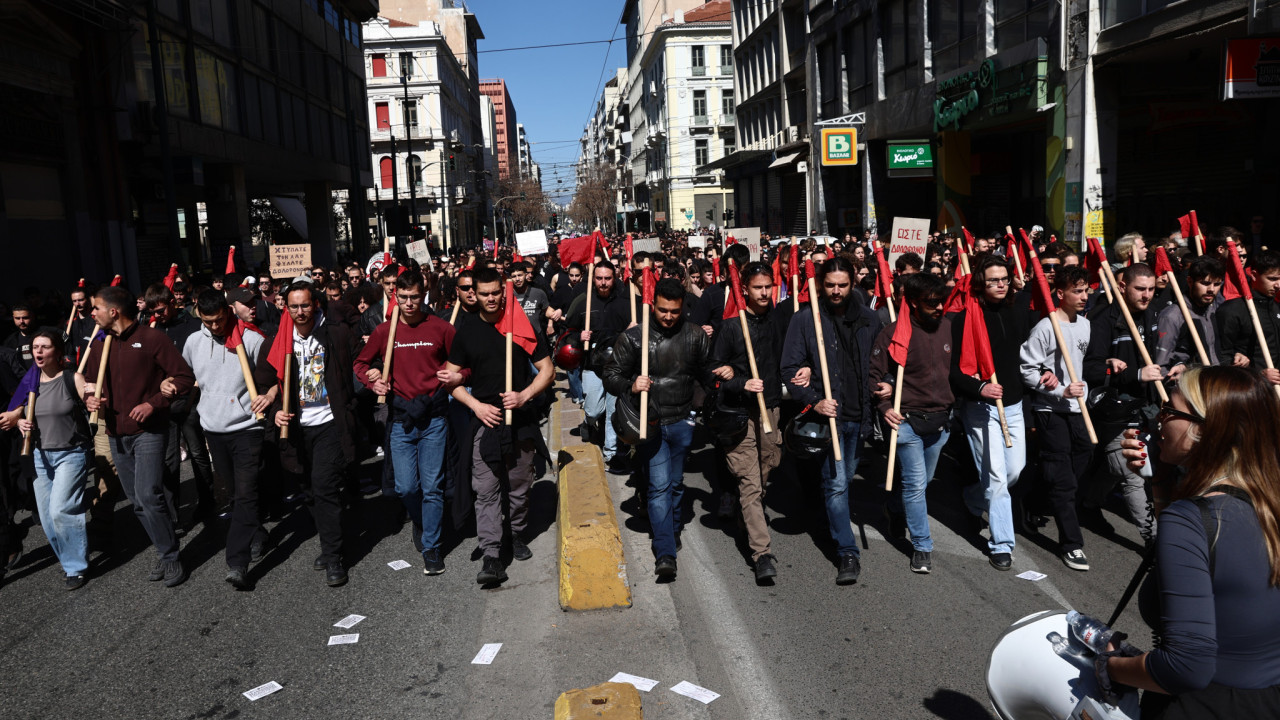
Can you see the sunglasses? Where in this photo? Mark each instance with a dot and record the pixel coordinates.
(465, 287)
(1168, 411)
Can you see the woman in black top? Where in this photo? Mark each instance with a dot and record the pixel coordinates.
(1218, 554)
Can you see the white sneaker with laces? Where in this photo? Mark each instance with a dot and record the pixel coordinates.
(1075, 559)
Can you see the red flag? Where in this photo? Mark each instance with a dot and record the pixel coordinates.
(1184, 225)
(730, 241)
(517, 258)
(116, 281)
(604, 246)
(794, 265)
(495, 249)
(471, 262)
(648, 285)
(1162, 265)
(236, 338)
(884, 283)
(803, 290)
(629, 247)
(967, 248)
(733, 300)
(1014, 250)
(1042, 297)
(581, 250)
(715, 268)
(231, 260)
(975, 344)
(81, 283)
(514, 321)
(1094, 259)
(959, 293)
(901, 335)
(172, 277)
(282, 345)
(1236, 284)
(777, 277)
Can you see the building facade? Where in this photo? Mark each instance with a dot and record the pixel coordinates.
(504, 114)
(427, 136)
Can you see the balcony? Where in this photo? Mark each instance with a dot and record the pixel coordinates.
(727, 119)
(726, 70)
(699, 70)
(700, 120)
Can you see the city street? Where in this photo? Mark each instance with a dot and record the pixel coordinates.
(895, 645)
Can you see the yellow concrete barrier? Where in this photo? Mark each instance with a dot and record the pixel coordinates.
(615, 701)
(593, 569)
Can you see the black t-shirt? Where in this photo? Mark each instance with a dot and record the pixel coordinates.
(480, 347)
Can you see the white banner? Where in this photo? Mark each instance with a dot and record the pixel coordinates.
(749, 237)
(909, 235)
(649, 245)
(533, 242)
(697, 241)
(418, 251)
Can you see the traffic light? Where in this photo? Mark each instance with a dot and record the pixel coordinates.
(453, 164)
(728, 216)
(555, 220)
(711, 215)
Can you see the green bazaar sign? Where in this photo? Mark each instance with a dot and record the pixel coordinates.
(910, 157)
(967, 93)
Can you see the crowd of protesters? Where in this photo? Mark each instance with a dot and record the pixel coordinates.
(813, 350)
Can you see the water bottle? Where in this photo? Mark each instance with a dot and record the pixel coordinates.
(1090, 632)
(1145, 471)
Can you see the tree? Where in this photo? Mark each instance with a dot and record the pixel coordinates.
(524, 200)
(596, 200)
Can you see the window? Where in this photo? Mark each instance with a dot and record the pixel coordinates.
(828, 80)
(730, 144)
(406, 65)
(1021, 20)
(898, 23)
(700, 105)
(699, 60)
(700, 154)
(860, 63)
(726, 59)
(413, 170)
(387, 170)
(331, 14)
(726, 105)
(953, 30)
(380, 65)
(411, 115)
(383, 114)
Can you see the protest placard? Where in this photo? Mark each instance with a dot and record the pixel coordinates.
(533, 242)
(749, 237)
(909, 235)
(289, 261)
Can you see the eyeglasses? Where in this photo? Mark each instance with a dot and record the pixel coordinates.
(996, 282)
(1168, 411)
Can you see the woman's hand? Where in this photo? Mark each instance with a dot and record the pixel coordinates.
(1133, 450)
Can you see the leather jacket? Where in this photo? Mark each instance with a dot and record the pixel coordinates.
(679, 357)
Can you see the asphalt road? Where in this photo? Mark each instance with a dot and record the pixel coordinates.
(895, 645)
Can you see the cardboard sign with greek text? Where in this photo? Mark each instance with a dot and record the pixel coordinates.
(649, 245)
(418, 251)
(533, 242)
(909, 235)
(749, 237)
(289, 261)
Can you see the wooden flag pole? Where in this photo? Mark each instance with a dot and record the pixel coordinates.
(644, 367)
(386, 355)
(453, 316)
(31, 416)
(795, 294)
(284, 390)
(1071, 366)
(591, 290)
(506, 419)
(888, 286)
(751, 362)
(1017, 261)
(1186, 316)
(1262, 339)
(631, 292)
(1133, 328)
(893, 436)
(85, 359)
(101, 378)
(248, 375)
(70, 319)
(822, 362)
(1004, 422)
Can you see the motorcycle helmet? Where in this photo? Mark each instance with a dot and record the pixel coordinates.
(727, 425)
(569, 351)
(626, 421)
(1038, 671)
(809, 435)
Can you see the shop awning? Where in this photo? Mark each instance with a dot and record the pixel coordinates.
(737, 158)
(784, 160)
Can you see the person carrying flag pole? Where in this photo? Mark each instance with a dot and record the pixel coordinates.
(1251, 326)
(919, 343)
(502, 455)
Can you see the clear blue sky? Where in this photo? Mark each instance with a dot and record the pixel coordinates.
(554, 89)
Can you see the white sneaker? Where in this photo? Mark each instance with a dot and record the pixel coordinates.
(1075, 559)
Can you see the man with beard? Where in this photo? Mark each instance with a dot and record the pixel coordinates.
(598, 347)
(1175, 350)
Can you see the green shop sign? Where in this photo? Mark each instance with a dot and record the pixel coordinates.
(916, 156)
(980, 95)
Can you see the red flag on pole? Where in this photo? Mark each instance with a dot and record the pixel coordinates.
(282, 345)
(968, 241)
(581, 250)
(777, 277)
(975, 344)
(1094, 259)
(236, 338)
(715, 268)
(884, 281)
(901, 339)
(1236, 284)
(1184, 225)
(604, 246)
(514, 321)
(959, 293)
(803, 290)
(231, 260)
(730, 241)
(733, 301)
(116, 281)
(648, 285)
(1042, 297)
(1162, 265)
(171, 278)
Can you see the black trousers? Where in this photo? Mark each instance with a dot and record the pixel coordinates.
(324, 466)
(238, 459)
(1065, 452)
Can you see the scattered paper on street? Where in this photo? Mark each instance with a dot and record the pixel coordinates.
(349, 621)
(641, 683)
(398, 565)
(263, 690)
(487, 654)
(700, 694)
(344, 639)
(1032, 575)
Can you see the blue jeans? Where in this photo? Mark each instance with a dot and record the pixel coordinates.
(140, 464)
(59, 489)
(998, 467)
(918, 458)
(835, 486)
(597, 402)
(418, 459)
(665, 457)
(575, 384)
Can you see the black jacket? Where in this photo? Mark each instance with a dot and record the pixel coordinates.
(1007, 329)
(1236, 335)
(679, 358)
(729, 349)
(602, 335)
(1109, 337)
(848, 357)
(339, 353)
